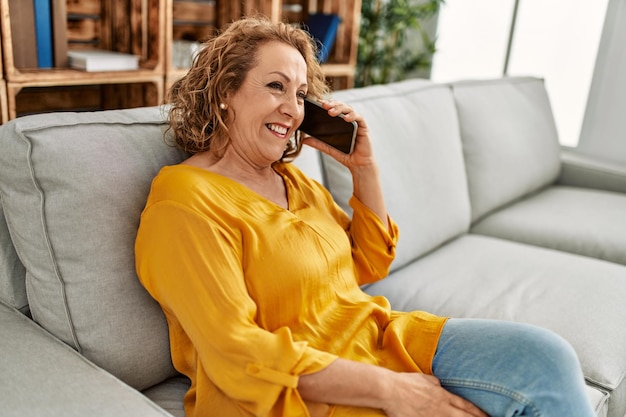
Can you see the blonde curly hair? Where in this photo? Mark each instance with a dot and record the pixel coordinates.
(220, 68)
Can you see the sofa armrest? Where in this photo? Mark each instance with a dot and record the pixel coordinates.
(584, 170)
(41, 375)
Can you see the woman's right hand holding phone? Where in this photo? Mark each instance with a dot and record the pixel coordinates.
(361, 162)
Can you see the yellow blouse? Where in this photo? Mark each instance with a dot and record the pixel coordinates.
(256, 295)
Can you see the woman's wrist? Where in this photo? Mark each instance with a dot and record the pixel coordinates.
(359, 171)
(364, 178)
(349, 383)
(367, 189)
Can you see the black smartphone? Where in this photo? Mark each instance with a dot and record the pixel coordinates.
(333, 130)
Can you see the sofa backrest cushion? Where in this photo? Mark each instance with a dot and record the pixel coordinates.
(414, 130)
(309, 162)
(510, 141)
(73, 187)
(12, 272)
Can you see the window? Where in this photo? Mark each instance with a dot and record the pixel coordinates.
(554, 39)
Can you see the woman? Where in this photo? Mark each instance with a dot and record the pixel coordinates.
(258, 271)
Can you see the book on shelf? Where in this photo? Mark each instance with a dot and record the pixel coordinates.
(59, 32)
(23, 33)
(39, 33)
(100, 60)
(323, 28)
(43, 32)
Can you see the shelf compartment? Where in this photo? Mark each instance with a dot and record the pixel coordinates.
(130, 26)
(4, 108)
(122, 91)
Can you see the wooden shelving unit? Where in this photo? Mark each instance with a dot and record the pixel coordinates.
(342, 62)
(341, 67)
(4, 114)
(188, 22)
(131, 26)
(149, 29)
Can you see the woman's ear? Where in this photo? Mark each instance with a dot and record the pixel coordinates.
(223, 103)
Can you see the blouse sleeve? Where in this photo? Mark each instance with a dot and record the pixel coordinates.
(373, 243)
(193, 267)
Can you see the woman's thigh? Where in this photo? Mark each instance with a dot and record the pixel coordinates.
(511, 369)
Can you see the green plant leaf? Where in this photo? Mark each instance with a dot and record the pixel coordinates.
(382, 54)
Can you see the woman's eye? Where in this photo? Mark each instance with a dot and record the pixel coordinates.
(276, 86)
(302, 95)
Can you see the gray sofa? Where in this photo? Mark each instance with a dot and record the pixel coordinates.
(496, 221)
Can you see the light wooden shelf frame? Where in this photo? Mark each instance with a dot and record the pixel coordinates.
(157, 68)
(151, 56)
(342, 62)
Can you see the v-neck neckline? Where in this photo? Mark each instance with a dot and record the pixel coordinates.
(279, 168)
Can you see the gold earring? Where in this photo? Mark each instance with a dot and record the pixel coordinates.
(223, 106)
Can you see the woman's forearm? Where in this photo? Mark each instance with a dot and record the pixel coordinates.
(367, 188)
(348, 383)
(356, 384)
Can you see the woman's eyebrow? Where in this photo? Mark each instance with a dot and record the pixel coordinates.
(286, 77)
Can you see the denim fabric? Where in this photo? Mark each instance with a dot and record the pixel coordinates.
(511, 369)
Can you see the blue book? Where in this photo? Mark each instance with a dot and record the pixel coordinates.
(323, 27)
(43, 33)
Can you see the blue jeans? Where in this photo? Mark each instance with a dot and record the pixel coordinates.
(511, 369)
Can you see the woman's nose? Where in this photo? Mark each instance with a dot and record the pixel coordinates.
(292, 107)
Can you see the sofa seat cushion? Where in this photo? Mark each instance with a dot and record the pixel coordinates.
(509, 138)
(414, 131)
(170, 394)
(483, 277)
(42, 376)
(599, 400)
(309, 161)
(578, 220)
(73, 187)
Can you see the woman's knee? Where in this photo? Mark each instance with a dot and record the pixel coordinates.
(507, 347)
(545, 352)
(499, 365)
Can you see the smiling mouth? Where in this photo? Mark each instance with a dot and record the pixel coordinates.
(280, 130)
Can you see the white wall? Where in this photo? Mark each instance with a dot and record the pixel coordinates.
(559, 40)
(604, 127)
(556, 40)
(471, 39)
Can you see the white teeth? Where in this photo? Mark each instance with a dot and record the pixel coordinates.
(278, 129)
